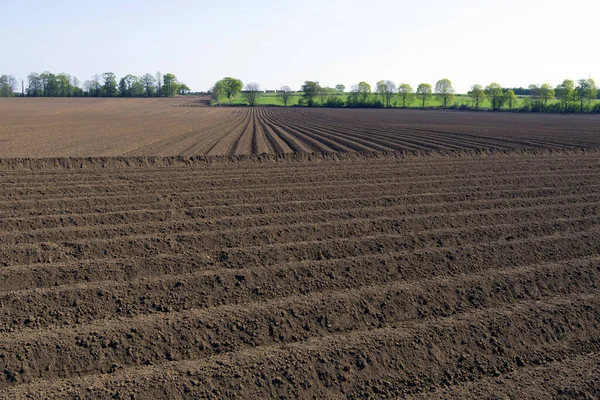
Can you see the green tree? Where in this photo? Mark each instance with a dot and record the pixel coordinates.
(137, 86)
(364, 92)
(149, 83)
(49, 84)
(535, 91)
(585, 92)
(35, 88)
(251, 93)
(123, 88)
(75, 87)
(96, 86)
(183, 88)
(386, 89)
(444, 91)
(8, 85)
(542, 94)
(311, 89)
(218, 91)
(546, 93)
(354, 95)
(510, 98)
(424, 93)
(64, 85)
(494, 93)
(109, 86)
(406, 93)
(228, 87)
(565, 92)
(340, 88)
(477, 94)
(170, 85)
(323, 93)
(284, 94)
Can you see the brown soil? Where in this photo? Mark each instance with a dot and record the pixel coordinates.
(35, 128)
(417, 274)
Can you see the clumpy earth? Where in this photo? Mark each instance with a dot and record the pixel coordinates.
(448, 274)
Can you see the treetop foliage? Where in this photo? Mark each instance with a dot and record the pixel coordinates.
(48, 84)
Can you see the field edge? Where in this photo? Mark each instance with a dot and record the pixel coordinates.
(199, 160)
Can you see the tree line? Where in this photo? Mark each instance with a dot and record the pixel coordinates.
(107, 84)
(572, 96)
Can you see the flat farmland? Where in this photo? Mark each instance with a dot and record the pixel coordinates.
(155, 249)
(168, 127)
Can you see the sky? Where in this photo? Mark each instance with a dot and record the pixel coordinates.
(512, 42)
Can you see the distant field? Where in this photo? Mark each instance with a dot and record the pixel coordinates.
(274, 99)
(459, 99)
(54, 127)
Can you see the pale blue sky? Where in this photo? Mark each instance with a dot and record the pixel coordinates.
(512, 42)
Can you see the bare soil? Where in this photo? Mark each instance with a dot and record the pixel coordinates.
(408, 274)
(50, 127)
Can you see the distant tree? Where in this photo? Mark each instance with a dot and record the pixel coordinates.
(510, 98)
(364, 92)
(218, 91)
(149, 82)
(170, 85)
(123, 88)
(35, 88)
(340, 88)
(135, 85)
(323, 93)
(534, 91)
(109, 85)
(183, 88)
(96, 86)
(386, 89)
(546, 93)
(360, 96)
(76, 87)
(380, 90)
(310, 89)
(585, 92)
(477, 94)
(541, 94)
(130, 86)
(159, 80)
(444, 91)
(354, 95)
(87, 88)
(406, 93)
(284, 93)
(494, 93)
(64, 84)
(565, 92)
(8, 85)
(251, 93)
(424, 93)
(49, 84)
(229, 87)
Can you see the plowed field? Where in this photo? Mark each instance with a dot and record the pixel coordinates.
(158, 127)
(452, 275)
